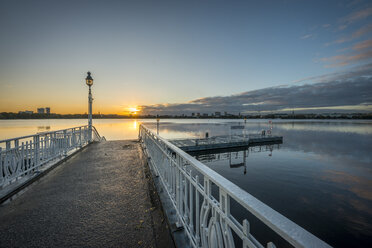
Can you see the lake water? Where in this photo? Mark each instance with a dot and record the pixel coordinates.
(320, 177)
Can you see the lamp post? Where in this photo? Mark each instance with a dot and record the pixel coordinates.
(89, 82)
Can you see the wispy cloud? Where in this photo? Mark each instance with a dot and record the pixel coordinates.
(350, 88)
(307, 36)
(359, 15)
(355, 2)
(355, 35)
(362, 31)
(363, 45)
(342, 27)
(355, 16)
(346, 59)
(326, 25)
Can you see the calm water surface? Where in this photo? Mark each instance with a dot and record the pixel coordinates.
(320, 177)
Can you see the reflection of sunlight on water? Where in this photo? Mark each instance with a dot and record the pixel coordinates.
(112, 129)
(123, 129)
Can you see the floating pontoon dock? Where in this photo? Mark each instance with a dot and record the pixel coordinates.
(225, 141)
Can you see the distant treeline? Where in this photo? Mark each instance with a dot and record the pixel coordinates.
(9, 115)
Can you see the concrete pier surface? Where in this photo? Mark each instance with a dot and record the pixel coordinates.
(101, 197)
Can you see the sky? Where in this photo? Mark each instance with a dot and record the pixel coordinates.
(178, 57)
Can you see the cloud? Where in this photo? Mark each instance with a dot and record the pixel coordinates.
(350, 88)
(307, 36)
(363, 45)
(354, 17)
(346, 59)
(362, 31)
(342, 27)
(355, 35)
(355, 2)
(326, 25)
(358, 15)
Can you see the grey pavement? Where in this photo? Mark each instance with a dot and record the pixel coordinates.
(101, 197)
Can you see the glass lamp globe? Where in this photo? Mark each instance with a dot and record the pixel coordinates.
(89, 79)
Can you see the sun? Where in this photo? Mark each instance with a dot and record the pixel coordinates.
(133, 110)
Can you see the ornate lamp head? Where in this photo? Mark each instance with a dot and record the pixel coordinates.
(89, 79)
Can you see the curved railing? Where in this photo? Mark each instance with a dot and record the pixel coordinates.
(207, 219)
(25, 155)
(97, 137)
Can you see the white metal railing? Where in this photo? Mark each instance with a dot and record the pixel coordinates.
(24, 155)
(207, 220)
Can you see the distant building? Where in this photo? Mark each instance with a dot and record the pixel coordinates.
(226, 114)
(192, 114)
(40, 110)
(217, 114)
(26, 112)
(205, 115)
(47, 109)
(280, 115)
(198, 114)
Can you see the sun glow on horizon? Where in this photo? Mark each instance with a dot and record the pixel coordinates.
(131, 111)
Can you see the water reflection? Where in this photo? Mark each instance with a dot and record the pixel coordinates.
(112, 129)
(234, 158)
(321, 177)
(43, 128)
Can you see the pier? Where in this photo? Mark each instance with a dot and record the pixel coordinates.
(102, 196)
(142, 193)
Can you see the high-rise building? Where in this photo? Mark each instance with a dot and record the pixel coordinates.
(40, 110)
(217, 114)
(47, 109)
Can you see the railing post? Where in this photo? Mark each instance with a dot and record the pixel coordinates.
(73, 140)
(191, 204)
(80, 135)
(65, 143)
(178, 188)
(197, 213)
(246, 230)
(53, 143)
(36, 150)
(2, 179)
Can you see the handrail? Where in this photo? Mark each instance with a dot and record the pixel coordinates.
(97, 134)
(24, 155)
(180, 172)
(40, 133)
